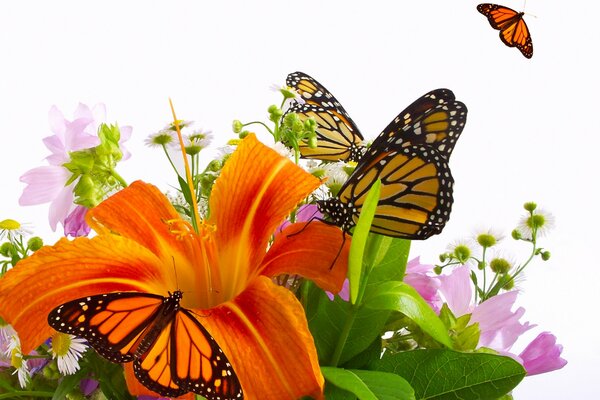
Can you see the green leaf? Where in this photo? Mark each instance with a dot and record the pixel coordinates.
(185, 190)
(67, 384)
(441, 374)
(326, 320)
(359, 240)
(399, 296)
(390, 262)
(369, 385)
(369, 355)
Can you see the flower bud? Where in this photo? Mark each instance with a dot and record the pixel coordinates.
(545, 255)
(500, 265)
(312, 142)
(6, 249)
(486, 240)
(243, 134)
(437, 269)
(530, 206)
(462, 253)
(214, 166)
(35, 243)
(443, 257)
(516, 234)
(509, 282)
(481, 265)
(237, 126)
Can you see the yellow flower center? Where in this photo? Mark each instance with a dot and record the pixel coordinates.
(16, 358)
(61, 343)
(9, 225)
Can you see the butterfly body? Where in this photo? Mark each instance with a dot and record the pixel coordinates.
(513, 29)
(172, 353)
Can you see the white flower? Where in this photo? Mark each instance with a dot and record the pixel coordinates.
(486, 235)
(282, 150)
(67, 349)
(335, 173)
(540, 220)
(11, 229)
(161, 138)
(290, 94)
(13, 351)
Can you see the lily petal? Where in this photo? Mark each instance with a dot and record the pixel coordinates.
(272, 350)
(72, 269)
(270, 189)
(310, 250)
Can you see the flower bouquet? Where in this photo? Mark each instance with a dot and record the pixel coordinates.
(277, 270)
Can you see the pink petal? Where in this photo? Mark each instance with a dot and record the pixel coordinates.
(43, 184)
(500, 327)
(83, 111)
(125, 135)
(457, 291)
(99, 113)
(76, 138)
(57, 121)
(61, 206)
(74, 224)
(542, 355)
(414, 266)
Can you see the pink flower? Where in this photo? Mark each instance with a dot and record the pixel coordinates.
(421, 278)
(542, 355)
(344, 293)
(75, 224)
(46, 184)
(500, 327)
(305, 213)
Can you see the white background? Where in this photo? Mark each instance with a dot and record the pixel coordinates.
(532, 130)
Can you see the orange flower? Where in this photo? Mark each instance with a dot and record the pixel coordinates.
(224, 270)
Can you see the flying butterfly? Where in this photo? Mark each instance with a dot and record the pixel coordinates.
(512, 26)
(416, 192)
(172, 352)
(435, 118)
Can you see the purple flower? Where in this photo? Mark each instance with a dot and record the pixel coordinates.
(457, 291)
(420, 277)
(46, 184)
(305, 213)
(344, 293)
(75, 224)
(542, 355)
(500, 327)
(87, 386)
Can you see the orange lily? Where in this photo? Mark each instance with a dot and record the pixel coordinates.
(224, 270)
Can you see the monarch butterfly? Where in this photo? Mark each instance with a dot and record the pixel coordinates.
(416, 192)
(172, 353)
(512, 26)
(435, 118)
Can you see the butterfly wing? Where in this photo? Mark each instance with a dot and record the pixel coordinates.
(416, 191)
(338, 137)
(112, 323)
(435, 119)
(512, 26)
(185, 358)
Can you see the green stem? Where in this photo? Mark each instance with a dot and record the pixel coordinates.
(119, 178)
(169, 158)
(263, 124)
(341, 343)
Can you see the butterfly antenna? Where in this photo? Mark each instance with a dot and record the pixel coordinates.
(340, 250)
(175, 271)
(312, 218)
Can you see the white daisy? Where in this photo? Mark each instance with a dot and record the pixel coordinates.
(161, 138)
(540, 220)
(16, 360)
(67, 349)
(11, 229)
(290, 94)
(488, 236)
